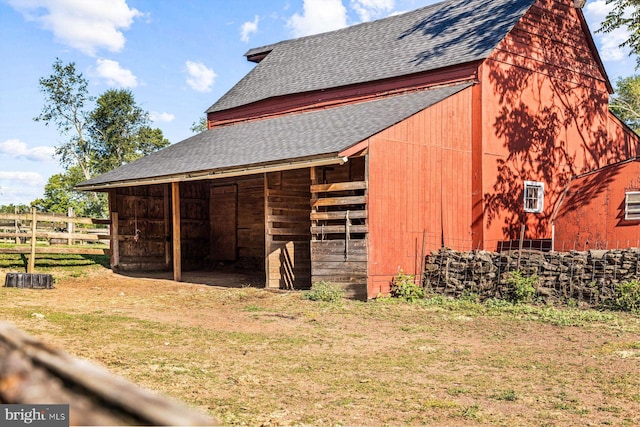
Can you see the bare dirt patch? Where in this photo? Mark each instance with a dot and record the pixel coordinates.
(251, 356)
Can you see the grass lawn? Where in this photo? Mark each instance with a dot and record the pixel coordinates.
(251, 356)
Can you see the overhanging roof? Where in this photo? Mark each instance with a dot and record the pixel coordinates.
(446, 34)
(278, 142)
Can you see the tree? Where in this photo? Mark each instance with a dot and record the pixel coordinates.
(11, 208)
(625, 14)
(199, 126)
(625, 104)
(120, 131)
(66, 99)
(115, 132)
(60, 195)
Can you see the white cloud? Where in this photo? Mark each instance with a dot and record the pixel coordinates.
(372, 9)
(114, 74)
(83, 25)
(595, 12)
(200, 77)
(22, 178)
(318, 16)
(161, 117)
(18, 149)
(248, 28)
(598, 9)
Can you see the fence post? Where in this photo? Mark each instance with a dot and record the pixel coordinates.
(70, 227)
(16, 223)
(32, 257)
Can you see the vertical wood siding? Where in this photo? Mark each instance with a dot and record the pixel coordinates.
(288, 229)
(592, 215)
(420, 189)
(140, 209)
(545, 118)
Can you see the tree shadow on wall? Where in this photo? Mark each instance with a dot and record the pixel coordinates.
(552, 115)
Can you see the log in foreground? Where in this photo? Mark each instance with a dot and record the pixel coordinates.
(32, 372)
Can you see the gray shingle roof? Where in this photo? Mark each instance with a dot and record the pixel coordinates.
(444, 34)
(296, 136)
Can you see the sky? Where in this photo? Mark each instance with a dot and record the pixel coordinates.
(177, 57)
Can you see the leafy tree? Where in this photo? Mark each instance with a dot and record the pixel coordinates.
(199, 126)
(625, 104)
(625, 14)
(120, 131)
(60, 194)
(66, 99)
(115, 132)
(11, 208)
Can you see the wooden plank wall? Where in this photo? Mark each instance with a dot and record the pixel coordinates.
(194, 224)
(545, 116)
(420, 189)
(288, 235)
(141, 230)
(339, 226)
(247, 228)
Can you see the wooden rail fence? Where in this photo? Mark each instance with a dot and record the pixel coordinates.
(24, 227)
(31, 372)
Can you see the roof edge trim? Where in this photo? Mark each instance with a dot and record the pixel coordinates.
(216, 174)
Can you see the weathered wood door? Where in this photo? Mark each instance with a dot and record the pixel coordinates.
(223, 214)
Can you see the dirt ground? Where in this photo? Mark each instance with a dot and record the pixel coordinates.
(254, 357)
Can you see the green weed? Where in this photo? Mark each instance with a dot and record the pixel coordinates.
(404, 287)
(324, 291)
(627, 296)
(521, 289)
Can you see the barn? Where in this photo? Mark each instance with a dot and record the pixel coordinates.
(347, 156)
(600, 209)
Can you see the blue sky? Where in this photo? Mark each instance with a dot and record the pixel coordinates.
(176, 56)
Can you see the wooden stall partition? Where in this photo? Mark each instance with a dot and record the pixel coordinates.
(287, 236)
(339, 227)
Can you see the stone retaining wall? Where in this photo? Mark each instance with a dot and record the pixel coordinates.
(582, 276)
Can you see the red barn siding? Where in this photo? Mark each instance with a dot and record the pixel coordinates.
(592, 214)
(545, 118)
(419, 188)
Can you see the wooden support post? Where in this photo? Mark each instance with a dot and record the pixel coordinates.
(167, 225)
(175, 210)
(267, 232)
(32, 256)
(115, 242)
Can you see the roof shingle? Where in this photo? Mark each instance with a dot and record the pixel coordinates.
(283, 138)
(441, 35)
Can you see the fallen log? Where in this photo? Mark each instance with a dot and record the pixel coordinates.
(32, 372)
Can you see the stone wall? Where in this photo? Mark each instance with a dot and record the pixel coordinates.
(588, 277)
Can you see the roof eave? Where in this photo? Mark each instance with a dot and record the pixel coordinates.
(594, 50)
(289, 164)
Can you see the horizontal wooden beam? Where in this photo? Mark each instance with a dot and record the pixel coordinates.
(340, 201)
(33, 372)
(338, 229)
(52, 218)
(339, 186)
(55, 250)
(328, 216)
